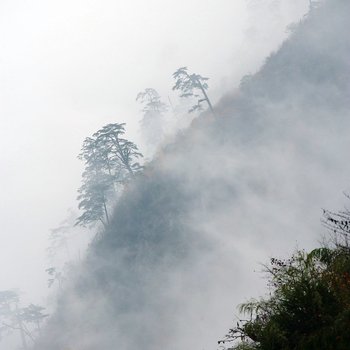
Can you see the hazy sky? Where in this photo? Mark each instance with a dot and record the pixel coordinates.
(69, 67)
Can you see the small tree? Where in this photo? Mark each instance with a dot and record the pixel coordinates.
(16, 318)
(339, 225)
(110, 161)
(153, 117)
(192, 85)
(9, 314)
(313, 4)
(60, 235)
(151, 101)
(54, 275)
(33, 314)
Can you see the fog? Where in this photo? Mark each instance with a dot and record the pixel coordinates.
(69, 68)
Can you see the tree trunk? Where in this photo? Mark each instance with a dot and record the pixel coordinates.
(206, 98)
(20, 326)
(106, 212)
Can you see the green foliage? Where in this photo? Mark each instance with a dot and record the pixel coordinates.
(110, 160)
(309, 306)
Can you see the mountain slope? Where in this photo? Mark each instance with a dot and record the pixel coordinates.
(186, 237)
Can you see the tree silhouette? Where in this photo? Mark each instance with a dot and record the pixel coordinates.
(55, 275)
(153, 116)
(192, 85)
(25, 320)
(60, 235)
(110, 161)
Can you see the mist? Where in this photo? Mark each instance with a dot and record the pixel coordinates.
(186, 240)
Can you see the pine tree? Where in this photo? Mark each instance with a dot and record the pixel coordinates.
(110, 162)
(192, 85)
(153, 116)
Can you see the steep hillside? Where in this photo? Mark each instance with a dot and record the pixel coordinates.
(187, 235)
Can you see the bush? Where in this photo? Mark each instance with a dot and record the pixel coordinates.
(308, 308)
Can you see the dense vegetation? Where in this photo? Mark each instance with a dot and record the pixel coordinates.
(308, 308)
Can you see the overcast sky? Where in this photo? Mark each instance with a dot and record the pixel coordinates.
(69, 67)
